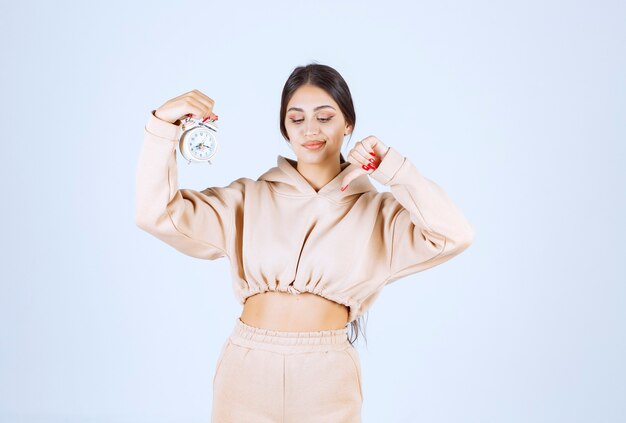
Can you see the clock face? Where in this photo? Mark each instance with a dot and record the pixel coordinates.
(201, 144)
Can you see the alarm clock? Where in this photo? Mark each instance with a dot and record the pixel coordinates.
(197, 141)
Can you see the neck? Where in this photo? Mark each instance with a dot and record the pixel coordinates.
(319, 174)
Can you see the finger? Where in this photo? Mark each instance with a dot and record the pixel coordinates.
(205, 106)
(207, 101)
(375, 146)
(359, 153)
(366, 147)
(366, 165)
(198, 109)
(204, 97)
(368, 161)
(350, 176)
(367, 155)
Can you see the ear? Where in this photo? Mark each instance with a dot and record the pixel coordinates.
(348, 130)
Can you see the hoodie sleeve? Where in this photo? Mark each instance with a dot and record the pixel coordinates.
(424, 226)
(196, 223)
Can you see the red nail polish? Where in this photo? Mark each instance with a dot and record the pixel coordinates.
(373, 154)
(205, 119)
(344, 188)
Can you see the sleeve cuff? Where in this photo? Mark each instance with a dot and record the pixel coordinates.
(161, 128)
(388, 167)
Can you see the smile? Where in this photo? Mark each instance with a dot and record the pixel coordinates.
(315, 145)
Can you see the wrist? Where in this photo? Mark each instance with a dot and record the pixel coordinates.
(156, 115)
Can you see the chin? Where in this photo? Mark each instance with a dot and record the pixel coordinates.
(316, 156)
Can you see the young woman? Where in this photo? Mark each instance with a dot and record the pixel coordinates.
(311, 244)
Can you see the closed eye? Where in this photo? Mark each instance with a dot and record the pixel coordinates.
(320, 119)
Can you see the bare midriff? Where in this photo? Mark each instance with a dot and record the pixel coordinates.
(282, 311)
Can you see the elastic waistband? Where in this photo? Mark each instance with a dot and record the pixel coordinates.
(253, 337)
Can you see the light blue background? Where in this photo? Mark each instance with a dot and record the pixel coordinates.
(517, 109)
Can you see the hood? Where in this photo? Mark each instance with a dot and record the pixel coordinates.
(286, 180)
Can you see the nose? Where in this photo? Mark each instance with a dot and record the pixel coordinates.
(312, 128)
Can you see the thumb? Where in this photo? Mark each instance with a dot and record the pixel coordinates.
(351, 175)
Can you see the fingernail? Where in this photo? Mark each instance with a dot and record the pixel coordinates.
(344, 188)
(373, 154)
(205, 119)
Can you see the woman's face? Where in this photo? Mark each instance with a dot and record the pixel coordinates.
(312, 115)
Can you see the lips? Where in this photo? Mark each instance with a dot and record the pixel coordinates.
(313, 143)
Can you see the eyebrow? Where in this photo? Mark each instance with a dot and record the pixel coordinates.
(297, 109)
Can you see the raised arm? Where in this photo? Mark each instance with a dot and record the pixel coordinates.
(196, 223)
(426, 227)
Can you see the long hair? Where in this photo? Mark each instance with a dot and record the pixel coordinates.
(332, 82)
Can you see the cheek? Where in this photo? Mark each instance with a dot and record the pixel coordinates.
(290, 129)
(338, 127)
(338, 131)
(293, 128)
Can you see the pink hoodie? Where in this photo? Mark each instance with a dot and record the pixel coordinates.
(281, 235)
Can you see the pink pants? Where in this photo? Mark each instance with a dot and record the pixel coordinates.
(266, 376)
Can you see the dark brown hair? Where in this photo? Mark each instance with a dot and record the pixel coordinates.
(329, 80)
(332, 82)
